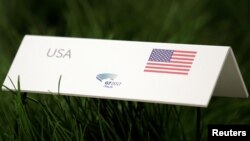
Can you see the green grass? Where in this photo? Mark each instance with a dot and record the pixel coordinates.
(56, 117)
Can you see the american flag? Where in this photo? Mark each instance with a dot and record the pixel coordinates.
(170, 61)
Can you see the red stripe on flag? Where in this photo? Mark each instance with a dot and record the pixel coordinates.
(182, 73)
(181, 62)
(176, 58)
(173, 65)
(183, 51)
(184, 55)
(164, 68)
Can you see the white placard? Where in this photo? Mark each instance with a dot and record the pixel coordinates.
(136, 71)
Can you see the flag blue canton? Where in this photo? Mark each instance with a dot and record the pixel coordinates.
(161, 55)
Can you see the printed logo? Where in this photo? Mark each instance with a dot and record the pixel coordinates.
(108, 80)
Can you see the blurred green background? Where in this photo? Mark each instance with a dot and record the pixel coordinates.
(48, 117)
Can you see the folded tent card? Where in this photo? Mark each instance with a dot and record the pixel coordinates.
(177, 74)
